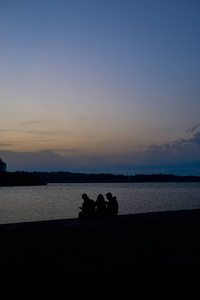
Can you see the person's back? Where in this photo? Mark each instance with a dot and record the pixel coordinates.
(112, 206)
(87, 208)
(100, 206)
(90, 206)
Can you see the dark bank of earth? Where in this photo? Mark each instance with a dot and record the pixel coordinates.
(19, 179)
(69, 177)
(146, 254)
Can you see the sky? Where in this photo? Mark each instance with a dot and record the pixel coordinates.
(98, 86)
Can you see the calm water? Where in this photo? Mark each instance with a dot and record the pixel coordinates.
(60, 201)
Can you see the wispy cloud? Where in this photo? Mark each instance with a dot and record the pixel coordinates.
(193, 128)
(176, 151)
(6, 130)
(67, 150)
(6, 144)
(30, 123)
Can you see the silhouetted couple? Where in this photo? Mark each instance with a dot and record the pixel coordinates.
(100, 208)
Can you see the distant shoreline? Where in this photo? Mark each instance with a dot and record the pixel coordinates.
(21, 178)
(69, 177)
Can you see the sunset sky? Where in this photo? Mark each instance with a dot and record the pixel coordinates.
(100, 85)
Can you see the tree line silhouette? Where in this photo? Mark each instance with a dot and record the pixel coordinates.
(69, 177)
(41, 178)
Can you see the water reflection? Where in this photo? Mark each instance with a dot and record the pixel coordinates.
(60, 201)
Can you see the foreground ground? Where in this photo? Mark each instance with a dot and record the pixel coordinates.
(153, 254)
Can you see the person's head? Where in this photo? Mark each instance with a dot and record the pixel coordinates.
(109, 196)
(100, 197)
(85, 197)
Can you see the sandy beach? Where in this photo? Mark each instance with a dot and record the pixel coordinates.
(151, 253)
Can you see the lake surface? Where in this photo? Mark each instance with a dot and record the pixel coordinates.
(61, 201)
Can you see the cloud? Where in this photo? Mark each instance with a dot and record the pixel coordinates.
(30, 123)
(68, 151)
(193, 128)
(5, 144)
(182, 148)
(178, 157)
(48, 160)
(195, 140)
(30, 161)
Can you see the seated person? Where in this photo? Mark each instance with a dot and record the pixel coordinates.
(100, 206)
(112, 206)
(87, 208)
